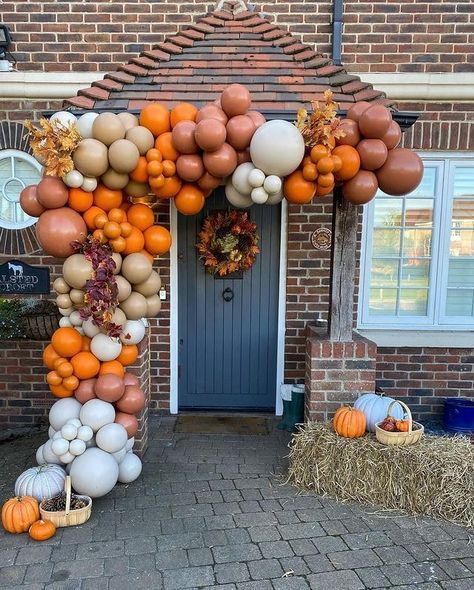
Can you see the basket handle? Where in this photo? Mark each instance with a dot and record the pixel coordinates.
(406, 410)
(67, 487)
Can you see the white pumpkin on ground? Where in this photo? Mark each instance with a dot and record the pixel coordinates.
(41, 482)
(375, 407)
(94, 473)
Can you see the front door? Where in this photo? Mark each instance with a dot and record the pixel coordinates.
(228, 327)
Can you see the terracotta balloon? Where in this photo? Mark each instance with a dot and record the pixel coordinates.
(257, 118)
(361, 188)
(243, 156)
(222, 162)
(132, 401)
(57, 228)
(29, 202)
(356, 110)
(109, 387)
(211, 111)
(393, 136)
(375, 122)
(401, 173)
(130, 379)
(373, 153)
(351, 133)
(189, 167)
(52, 193)
(85, 391)
(207, 182)
(240, 130)
(128, 421)
(183, 137)
(235, 100)
(210, 134)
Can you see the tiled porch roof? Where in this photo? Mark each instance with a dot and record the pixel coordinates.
(221, 48)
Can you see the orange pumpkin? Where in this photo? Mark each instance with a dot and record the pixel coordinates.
(157, 240)
(349, 422)
(106, 198)
(113, 367)
(80, 200)
(298, 190)
(42, 530)
(128, 355)
(155, 117)
(164, 143)
(402, 425)
(140, 216)
(85, 365)
(19, 513)
(183, 112)
(350, 162)
(66, 341)
(50, 356)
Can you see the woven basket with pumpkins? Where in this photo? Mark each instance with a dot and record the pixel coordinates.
(392, 431)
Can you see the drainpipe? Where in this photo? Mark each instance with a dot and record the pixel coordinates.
(337, 26)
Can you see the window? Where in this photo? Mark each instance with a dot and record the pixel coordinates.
(17, 170)
(418, 252)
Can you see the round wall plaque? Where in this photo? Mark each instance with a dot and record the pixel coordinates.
(321, 238)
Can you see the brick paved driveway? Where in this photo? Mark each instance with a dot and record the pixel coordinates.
(208, 513)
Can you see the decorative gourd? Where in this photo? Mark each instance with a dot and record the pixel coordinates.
(41, 482)
(349, 422)
(42, 530)
(402, 425)
(19, 513)
(375, 407)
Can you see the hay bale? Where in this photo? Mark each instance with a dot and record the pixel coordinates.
(434, 477)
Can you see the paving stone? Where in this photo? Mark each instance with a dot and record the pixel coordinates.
(67, 585)
(294, 566)
(455, 568)
(249, 495)
(250, 506)
(252, 519)
(35, 554)
(270, 505)
(333, 527)
(231, 495)
(201, 556)
(97, 550)
(192, 510)
(173, 526)
(7, 557)
(116, 566)
(80, 534)
(243, 552)
(306, 530)
(137, 581)
(188, 578)
(93, 584)
(231, 572)
(352, 559)
(265, 568)
(260, 585)
(222, 484)
(213, 538)
(430, 571)
(139, 546)
(237, 536)
(459, 549)
(434, 533)
(394, 554)
(226, 508)
(193, 524)
(303, 547)
(340, 580)
(90, 568)
(329, 544)
(401, 574)
(142, 563)
(287, 517)
(466, 584)
(318, 563)
(219, 522)
(39, 572)
(420, 551)
(264, 533)
(355, 525)
(372, 577)
(181, 541)
(276, 549)
(367, 540)
(468, 562)
(168, 560)
(213, 497)
(290, 583)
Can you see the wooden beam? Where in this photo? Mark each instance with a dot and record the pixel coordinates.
(343, 264)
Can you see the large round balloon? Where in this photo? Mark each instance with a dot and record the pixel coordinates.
(136, 268)
(62, 411)
(107, 128)
(91, 157)
(211, 111)
(373, 153)
(207, 182)
(401, 173)
(57, 228)
(257, 118)
(105, 348)
(222, 162)
(94, 473)
(183, 137)
(190, 167)
(189, 200)
(361, 188)
(123, 156)
(235, 198)
(240, 178)
(29, 201)
(84, 124)
(150, 286)
(52, 193)
(393, 136)
(111, 437)
(351, 132)
(375, 121)
(133, 332)
(128, 421)
(96, 413)
(109, 387)
(355, 111)
(277, 147)
(85, 391)
(235, 100)
(210, 134)
(77, 270)
(134, 306)
(129, 468)
(240, 130)
(132, 401)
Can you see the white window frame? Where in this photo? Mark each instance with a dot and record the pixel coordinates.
(435, 320)
(15, 153)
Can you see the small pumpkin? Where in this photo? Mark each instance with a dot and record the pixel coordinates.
(349, 422)
(402, 425)
(19, 513)
(41, 530)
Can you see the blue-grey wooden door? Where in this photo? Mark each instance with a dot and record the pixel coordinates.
(228, 349)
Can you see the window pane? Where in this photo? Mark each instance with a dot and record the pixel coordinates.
(462, 243)
(388, 212)
(382, 301)
(413, 302)
(419, 212)
(460, 302)
(17, 170)
(384, 272)
(463, 214)
(415, 273)
(461, 272)
(464, 181)
(417, 242)
(386, 242)
(427, 186)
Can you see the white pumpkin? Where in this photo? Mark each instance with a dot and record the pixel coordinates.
(41, 482)
(375, 406)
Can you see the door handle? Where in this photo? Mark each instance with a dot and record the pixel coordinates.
(227, 294)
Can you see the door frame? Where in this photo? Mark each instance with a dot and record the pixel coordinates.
(174, 309)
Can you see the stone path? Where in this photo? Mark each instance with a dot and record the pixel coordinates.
(209, 512)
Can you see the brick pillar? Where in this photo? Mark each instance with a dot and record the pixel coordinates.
(336, 372)
(142, 370)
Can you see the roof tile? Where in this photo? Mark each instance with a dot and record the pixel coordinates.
(181, 41)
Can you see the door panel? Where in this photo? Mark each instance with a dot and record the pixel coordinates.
(228, 349)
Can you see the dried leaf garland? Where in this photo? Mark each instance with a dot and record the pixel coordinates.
(322, 126)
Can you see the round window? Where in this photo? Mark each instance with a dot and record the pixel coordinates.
(17, 170)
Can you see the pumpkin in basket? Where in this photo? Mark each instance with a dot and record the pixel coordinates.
(19, 513)
(42, 530)
(349, 422)
(402, 425)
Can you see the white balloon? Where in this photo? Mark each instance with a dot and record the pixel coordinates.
(67, 457)
(94, 473)
(84, 124)
(256, 178)
(62, 411)
(63, 118)
(69, 432)
(111, 438)
(105, 348)
(272, 184)
(89, 184)
(119, 455)
(240, 178)
(90, 329)
(84, 433)
(235, 198)
(133, 332)
(65, 311)
(277, 147)
(60, 446)
(64, 322)
(259, 195)
(39, 456)
(48, 454)
(97, 413)
(57, 435)
(77, 447)
(51, 431)
(75, 421)
(130, 443)
(75, 318)
(275, 199)
(129, 468)
(73, 179)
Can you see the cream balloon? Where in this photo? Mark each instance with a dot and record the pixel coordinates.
(48, 455)
(107, 128)
(120, 455)
(117, 258)
(77, 296)
(256, 178)
(105, 348)
(77, 270)
(94, 473)
(235, 198)
(111, 437)
(129, 468)
(272, 184)
(133, 332)
(69, 431)
(96, 413)
(141, 137)
(64, 322)
(73, 179)
(90, 158)
(65, 311)
(60, 446)
(240, 178)
(277, 147)
(67, 458)
(275, 199)
(135, 306)
(89, 184)
(63, 410)
(130, 444)
(75, 422)
(63, 301)
(75, 318)
(153, 306)
(39, 455)
(123, 156)
(90, 329)
(259, 195)
(85, 433)
(62, 118)
(60, 286)
(124, 288)
(136, 268)
(150, 286)
(77, 447)
(84, 124)
(128, 120)
(114, 180)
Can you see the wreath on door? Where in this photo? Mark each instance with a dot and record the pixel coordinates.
(228, 242)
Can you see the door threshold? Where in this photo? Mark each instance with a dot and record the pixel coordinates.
(227, 413)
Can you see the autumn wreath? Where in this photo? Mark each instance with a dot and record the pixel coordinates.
(228, 242)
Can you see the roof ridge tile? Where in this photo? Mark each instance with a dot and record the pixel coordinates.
(180, 40)
(157, 54)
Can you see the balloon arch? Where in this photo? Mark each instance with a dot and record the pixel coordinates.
(103, 175)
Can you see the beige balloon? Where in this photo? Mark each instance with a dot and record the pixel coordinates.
(136, 268)
(124, 288)
(107, 128)
(118, 317)
(142, 138)
(153, 305)
(77, 270)
(65, 311)
(136, 189)
(77, 296)
(135, 306)
(90, 157)
(123, 156)
(63, 301)
(60, 286)
(128, 120)
(149, 287)
(117, 258)
(114, 180)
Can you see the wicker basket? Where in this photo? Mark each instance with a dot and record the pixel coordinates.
(41, 327)
(415, 430)
(68, 517)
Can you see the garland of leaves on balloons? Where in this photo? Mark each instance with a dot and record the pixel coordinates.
(104, 173)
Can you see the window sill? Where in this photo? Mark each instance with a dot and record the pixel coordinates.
(420, 338)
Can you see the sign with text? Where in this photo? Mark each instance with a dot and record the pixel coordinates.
(19, 278)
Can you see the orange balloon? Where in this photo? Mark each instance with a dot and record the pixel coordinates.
(156, 181)
(128, 355)
(66, 341)
(134, 242)
(141, 216)
(90, 215)
(65, 369)
(52, 378)
(58, 362)
(113, 367)
(140, 173)
(153, 155)
(155, 117)
(326, 180)
(125, 206)
(128, 421)
(50, 356)
(350, 162)
(154, 168)
(318, 152)
(85, 365)
(99, 235)
(322, 191)
(147, 254)
(325, 165)
(183, 112)
(106, 198)
(169, 189)
(119, 244)
(298, 190)
(169, 168)
(60, 391)
(310, 172)
(80, 200)
(118, 215)
(86, 344)
(70, 383)
(112, 230)
(190, 199)
(125, 229)
(157, 240)
(100, 220)
(164, 143)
